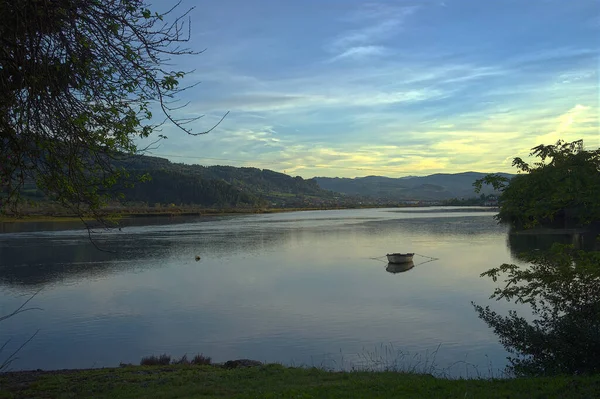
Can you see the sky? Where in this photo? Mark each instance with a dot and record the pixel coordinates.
(394, 88)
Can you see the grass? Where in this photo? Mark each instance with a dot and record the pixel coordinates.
(132, 213)
(162, 360)
(276, 381)
(54, 214)
(165, 360)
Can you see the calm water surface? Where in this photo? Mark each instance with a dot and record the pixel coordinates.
(297, 288)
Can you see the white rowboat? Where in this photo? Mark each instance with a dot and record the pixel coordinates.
(400, 258)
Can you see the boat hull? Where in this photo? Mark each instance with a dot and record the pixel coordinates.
(400, 258)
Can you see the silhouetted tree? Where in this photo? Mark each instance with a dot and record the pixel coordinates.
(561, 189)
(78, 82)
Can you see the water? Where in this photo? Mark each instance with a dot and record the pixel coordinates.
(297, 288)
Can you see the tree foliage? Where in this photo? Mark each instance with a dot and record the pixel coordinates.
(79, 80)
(562, 287)
(204, 186)
(179, 188)
(562, 188)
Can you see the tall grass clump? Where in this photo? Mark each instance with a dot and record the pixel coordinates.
(165, 360)
(162, 360)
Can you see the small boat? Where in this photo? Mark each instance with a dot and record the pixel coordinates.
(399, 267)
(400, 258)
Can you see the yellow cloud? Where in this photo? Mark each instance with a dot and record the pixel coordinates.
(569, 125)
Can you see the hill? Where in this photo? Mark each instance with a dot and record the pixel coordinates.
(222, 186)
(247, 187)
(206, 186)
(218, 185)
(439, 186)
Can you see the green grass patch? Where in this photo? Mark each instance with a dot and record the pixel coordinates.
(275, 381)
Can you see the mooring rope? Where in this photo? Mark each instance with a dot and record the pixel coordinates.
(425, 256)
(425, 261)
(431, 259)
(380, 259)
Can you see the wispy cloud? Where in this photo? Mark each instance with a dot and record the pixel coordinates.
(408, 87)
(361, 52)
(372, 25)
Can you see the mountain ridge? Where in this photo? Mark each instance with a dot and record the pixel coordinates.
(243, 187)
(438, 186)
(253, 185)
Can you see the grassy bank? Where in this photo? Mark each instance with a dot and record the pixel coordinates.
(136, 212)
(151, 213)
(274, 381)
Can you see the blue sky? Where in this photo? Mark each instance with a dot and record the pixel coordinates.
(394, 88)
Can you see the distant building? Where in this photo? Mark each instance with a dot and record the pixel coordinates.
(411, 202)
(491, 201)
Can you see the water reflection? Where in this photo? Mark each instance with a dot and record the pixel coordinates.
(395, 268)
(36, 260)
(521, 243)
(35, 263)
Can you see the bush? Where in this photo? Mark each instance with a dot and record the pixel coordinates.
(165, 360)
(162, 360)
(200, 360)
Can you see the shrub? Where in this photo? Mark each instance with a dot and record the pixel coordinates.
(162, 360)
(200, 360)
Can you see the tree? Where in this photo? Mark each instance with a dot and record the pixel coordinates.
(562, 286)
(560, 189)
(78, 82)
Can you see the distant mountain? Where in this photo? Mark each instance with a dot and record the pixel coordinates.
(210, 186)
(439, 186)
(216, 185)
(228, 186)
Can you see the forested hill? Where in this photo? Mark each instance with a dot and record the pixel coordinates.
(217, 185)
(228, 187)
(439, 186)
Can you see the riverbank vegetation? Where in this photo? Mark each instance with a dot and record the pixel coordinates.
(276, 381)
(562, 288)
(561, 189)
(117, 214)
(560, 284)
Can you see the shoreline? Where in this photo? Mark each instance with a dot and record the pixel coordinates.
(151, 214)
(139, 213)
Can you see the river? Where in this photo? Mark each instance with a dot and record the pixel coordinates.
(302, 288)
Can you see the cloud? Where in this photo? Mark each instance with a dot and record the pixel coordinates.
(316, 98)
(364, 36)
(552, 54)
(571, 124)
(361, 52)
(375, 23)
(349, 97)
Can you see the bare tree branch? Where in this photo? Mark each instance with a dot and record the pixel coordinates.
(22, 308)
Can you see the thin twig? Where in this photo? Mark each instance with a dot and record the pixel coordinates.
(12, 357)
(20, 308)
